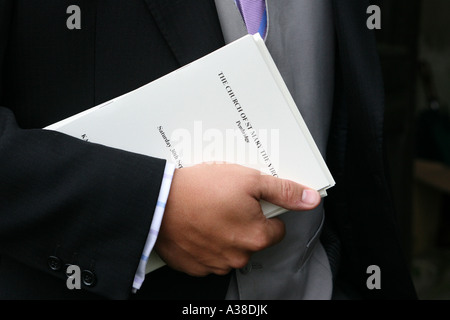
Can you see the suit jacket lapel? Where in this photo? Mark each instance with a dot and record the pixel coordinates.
(190, 27)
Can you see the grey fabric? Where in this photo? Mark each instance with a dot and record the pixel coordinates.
(231, 22)
(300, 38)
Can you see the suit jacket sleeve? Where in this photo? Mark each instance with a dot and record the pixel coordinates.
(84, 203)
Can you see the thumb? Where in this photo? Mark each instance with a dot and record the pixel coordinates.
(288, 194)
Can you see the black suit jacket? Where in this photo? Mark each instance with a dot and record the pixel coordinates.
(64, 201)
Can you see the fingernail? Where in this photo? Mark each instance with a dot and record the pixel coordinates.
(309, 196)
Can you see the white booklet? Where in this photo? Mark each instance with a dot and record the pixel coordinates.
(231, 105)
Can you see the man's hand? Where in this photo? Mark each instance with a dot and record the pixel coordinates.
(213, 221)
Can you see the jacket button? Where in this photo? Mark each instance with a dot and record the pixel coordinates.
(88, 277)
(247, 269)
(54, 263)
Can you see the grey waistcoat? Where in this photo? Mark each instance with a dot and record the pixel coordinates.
(300, 39)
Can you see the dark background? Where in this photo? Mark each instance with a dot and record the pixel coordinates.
(414, 49)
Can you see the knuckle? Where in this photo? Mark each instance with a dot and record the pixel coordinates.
(240, 261)
(260, 240)
(287, 191)
(196, 270)
(223, 272)
(197, 273)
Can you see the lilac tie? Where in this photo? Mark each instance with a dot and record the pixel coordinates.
(254, 14)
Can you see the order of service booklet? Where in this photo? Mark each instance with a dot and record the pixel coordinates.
(231, 105)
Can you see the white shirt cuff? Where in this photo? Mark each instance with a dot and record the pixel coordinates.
(155, 226)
